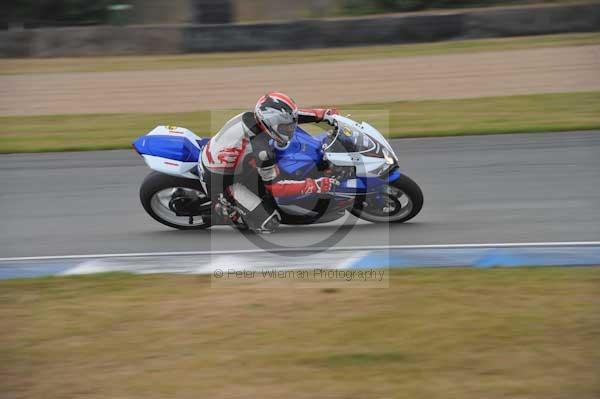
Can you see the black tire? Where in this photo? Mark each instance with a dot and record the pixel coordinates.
(411, 189)
(156, 182)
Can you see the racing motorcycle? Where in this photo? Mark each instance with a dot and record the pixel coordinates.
(359, 158)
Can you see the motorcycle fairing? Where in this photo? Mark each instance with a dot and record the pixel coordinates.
(304, 152)
(300, 157)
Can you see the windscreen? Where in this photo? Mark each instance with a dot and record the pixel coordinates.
(348, 140)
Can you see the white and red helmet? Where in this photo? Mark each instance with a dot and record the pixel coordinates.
(277, 114)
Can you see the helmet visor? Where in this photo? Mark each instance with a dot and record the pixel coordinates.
(287, 129)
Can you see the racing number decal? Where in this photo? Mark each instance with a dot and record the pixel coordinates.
(173, 130)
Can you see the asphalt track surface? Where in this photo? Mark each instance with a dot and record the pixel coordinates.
(478, 189)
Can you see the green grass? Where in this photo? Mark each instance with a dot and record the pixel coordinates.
(492, 115)
(460, 333)
(165, 62)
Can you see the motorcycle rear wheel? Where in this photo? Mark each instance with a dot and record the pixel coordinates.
(157, 193)
(403, 200)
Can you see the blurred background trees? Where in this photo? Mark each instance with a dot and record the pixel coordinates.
(40, 13)
(361, 7)
(47, 13)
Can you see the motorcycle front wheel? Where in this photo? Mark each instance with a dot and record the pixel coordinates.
(173, 201)
(400, 201)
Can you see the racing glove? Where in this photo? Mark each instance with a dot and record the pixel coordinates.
(328, 116)
(307, 115)
(292, 188)
(321, 185)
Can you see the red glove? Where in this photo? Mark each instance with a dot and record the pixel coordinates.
(319, 114)
(292, 188)
(322, 185)
(327, 117)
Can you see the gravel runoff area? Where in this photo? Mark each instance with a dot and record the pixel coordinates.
(562, 69)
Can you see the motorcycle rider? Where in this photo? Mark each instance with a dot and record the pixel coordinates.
(239, 163)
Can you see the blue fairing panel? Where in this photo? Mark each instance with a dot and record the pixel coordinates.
(363, 185)
(202, 142)
(301, 155)
(304, 152)
(395, 175)
(171, 147)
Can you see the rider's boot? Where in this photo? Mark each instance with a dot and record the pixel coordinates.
(259, 215)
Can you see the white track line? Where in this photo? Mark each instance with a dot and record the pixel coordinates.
(308, 249)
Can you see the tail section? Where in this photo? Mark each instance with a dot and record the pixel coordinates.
(171, 150)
